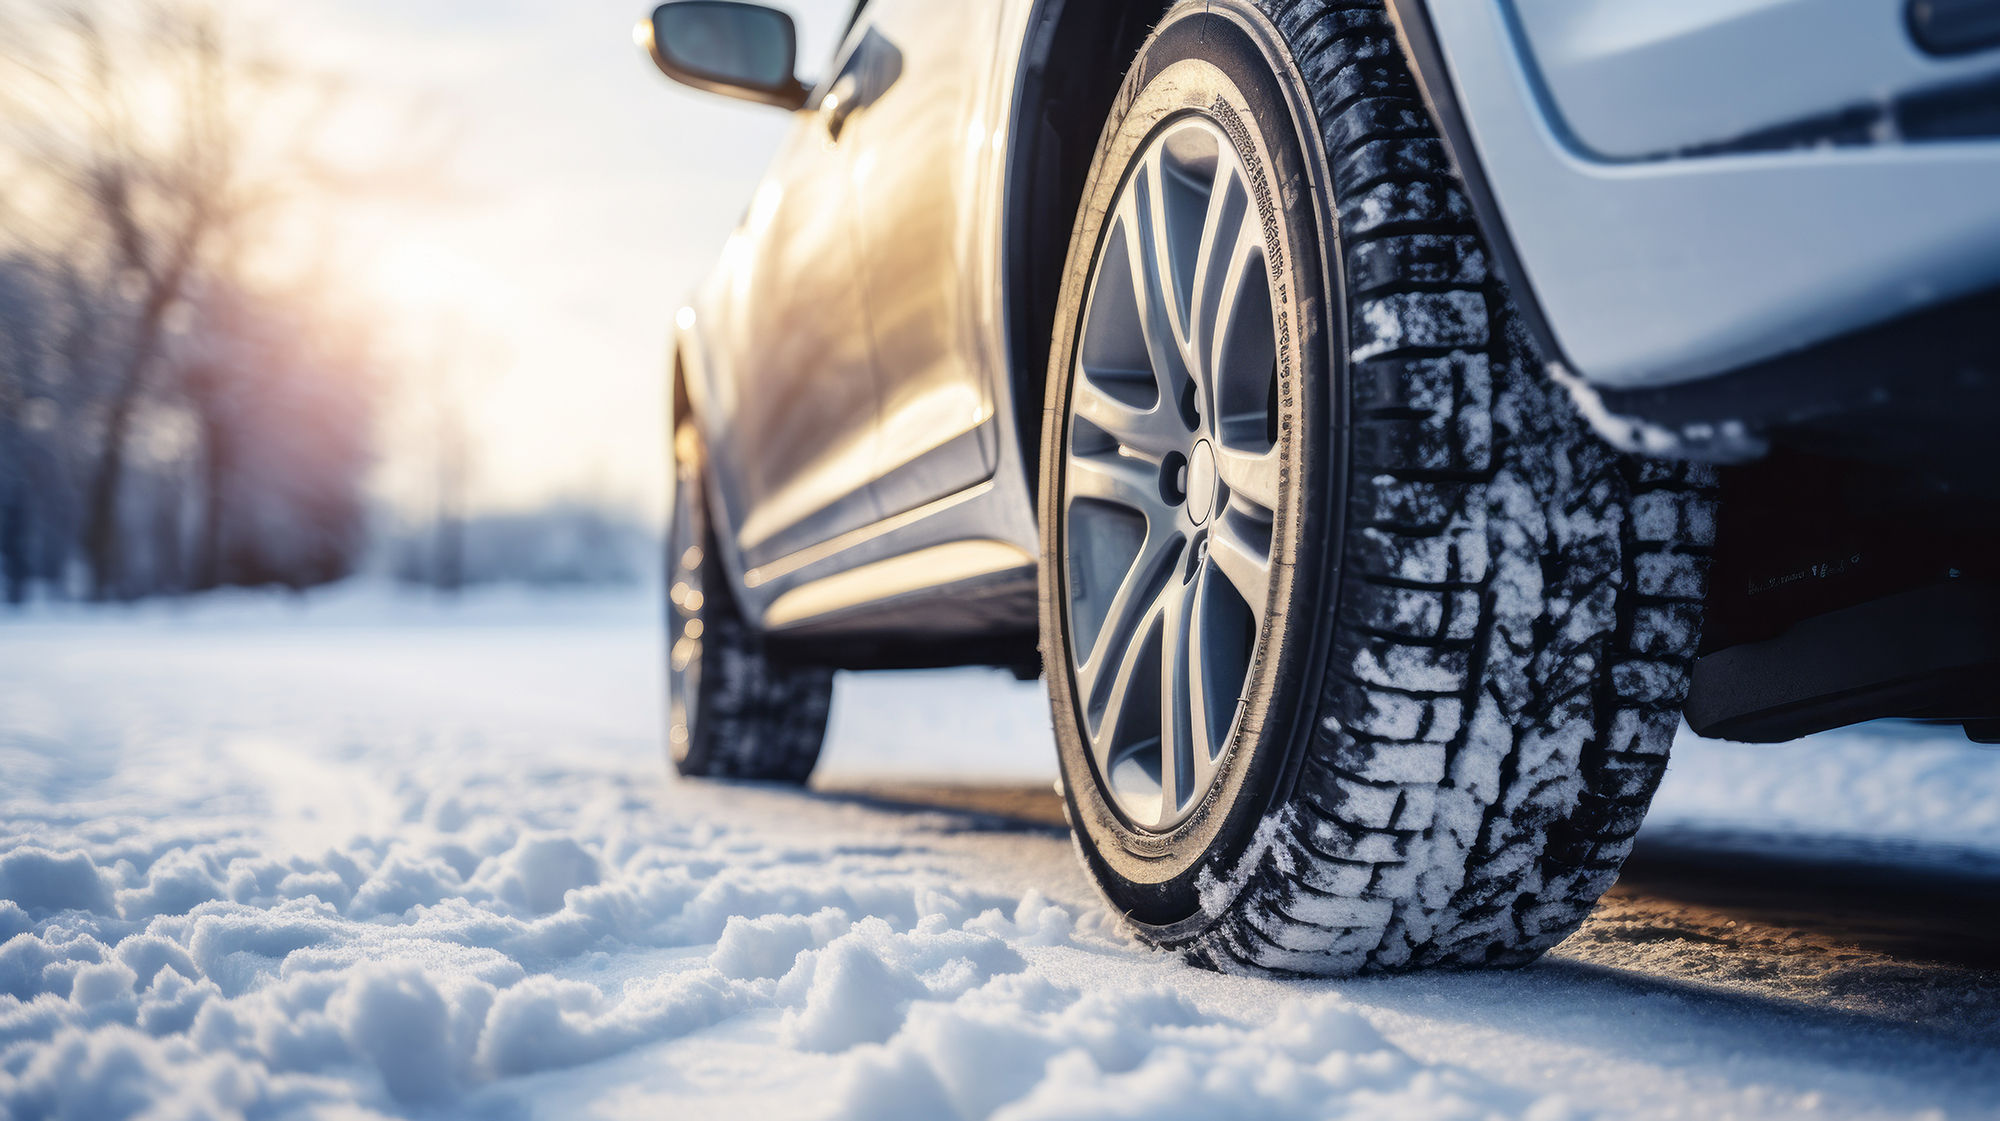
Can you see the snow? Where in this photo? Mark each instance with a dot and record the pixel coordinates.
(362, 855)
(1892, 786)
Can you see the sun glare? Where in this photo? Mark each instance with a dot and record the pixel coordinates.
(418, 275)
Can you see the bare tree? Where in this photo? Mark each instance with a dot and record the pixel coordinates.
(49, 323)
(283, 402)
(149, 143)
(148, 162)
(20, 361)
(182, 405)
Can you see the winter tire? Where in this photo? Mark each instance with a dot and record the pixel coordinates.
(732, 712)
(1364, 653)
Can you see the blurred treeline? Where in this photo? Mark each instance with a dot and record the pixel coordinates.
(567, 542)
(188, 394)
(226, 445)
(177, 412)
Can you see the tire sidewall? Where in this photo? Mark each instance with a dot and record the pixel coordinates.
(1224, 61)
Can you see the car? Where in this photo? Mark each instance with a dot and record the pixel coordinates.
(1378, 423)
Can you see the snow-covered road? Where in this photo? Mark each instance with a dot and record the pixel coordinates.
(371, 857)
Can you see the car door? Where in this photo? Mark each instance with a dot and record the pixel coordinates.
(803, 398)
(921, 77)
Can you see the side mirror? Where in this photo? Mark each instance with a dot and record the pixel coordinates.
(734, 49)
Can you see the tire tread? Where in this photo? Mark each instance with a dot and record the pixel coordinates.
(1519, 607)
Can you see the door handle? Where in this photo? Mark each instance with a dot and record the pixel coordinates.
(839, 104)
(871, 68)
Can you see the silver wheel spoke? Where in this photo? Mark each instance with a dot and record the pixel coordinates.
(1125, 672)
(1183, 738)
(1242, 272)
(1209, 714)
(1159, 257)
(1244, 564)
(1252, 477)
(1151, 274)
(1224, 246)
(1153, 432)
(1125, 622)
(1126, 480)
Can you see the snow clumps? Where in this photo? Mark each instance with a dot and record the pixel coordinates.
(161, 977)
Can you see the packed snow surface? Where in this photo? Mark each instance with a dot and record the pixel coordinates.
(368, 855)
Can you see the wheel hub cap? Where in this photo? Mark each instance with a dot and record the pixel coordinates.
(1201, 482)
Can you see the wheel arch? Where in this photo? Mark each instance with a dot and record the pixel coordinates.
(1428, 68)
(680, 399)
(688, 398)
(678, 405)
(1063, 94)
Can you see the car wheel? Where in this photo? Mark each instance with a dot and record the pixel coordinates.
(1364, 652)
(732, 712)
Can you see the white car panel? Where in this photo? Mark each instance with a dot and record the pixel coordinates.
(1633, 79)
(1664, 271)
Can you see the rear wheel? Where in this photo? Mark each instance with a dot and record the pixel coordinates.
(1364, 652)
(732, 711)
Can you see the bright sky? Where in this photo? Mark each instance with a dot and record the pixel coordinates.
(593, 194)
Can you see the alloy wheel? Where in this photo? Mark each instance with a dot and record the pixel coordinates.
(1172, 475)
(687, 595)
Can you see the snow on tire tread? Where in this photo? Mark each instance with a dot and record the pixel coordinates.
(1520, 603)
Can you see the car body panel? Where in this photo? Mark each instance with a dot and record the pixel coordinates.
(1655, 272)
(912, 173)
(921, 152)
(792, 396)
(1735, 67)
